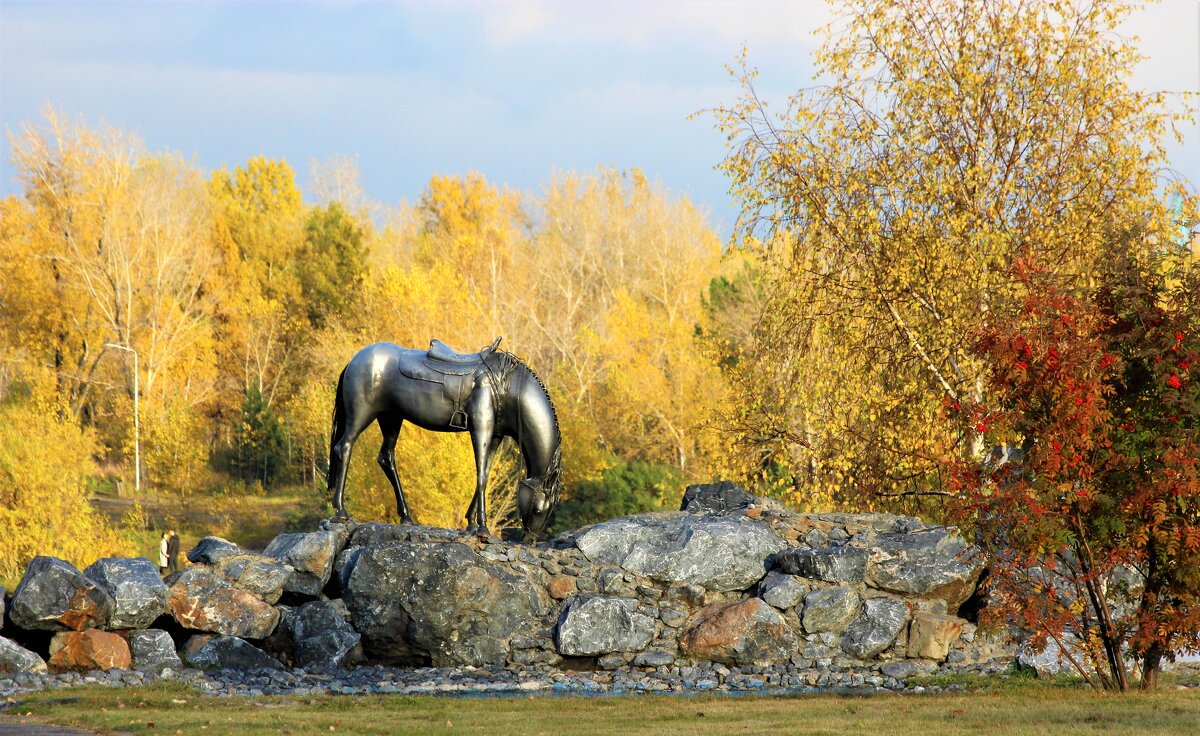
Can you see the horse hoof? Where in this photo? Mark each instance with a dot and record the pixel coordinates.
(472, 529)
(484, 533)
(408, 520)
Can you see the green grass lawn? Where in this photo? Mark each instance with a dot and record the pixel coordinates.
(1024, 709)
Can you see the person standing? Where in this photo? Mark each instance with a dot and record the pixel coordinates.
(173, 551)
(163, 547)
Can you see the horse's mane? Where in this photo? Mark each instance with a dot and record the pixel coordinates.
(506, 364)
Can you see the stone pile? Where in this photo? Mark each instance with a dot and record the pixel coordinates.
(729, 583)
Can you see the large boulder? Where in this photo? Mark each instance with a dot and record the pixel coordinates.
(15, 658)
(263, 577)
(311, 557)
(930, 635)
(881, 621)
(841, 564)
(436, 600)
(782, 590)
(745, 632)
(138, 593)
(211, 550)
(323, 637)
(831, 609)
(930, 563)
(597, 624)
(717, 553)
(54, 596)
(720, 498)
(199, 599)
(228, 653)
(92, 649)
(153, 650)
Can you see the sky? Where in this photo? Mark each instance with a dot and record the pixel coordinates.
(513, 90)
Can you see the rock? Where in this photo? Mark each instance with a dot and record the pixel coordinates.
(92, 649)
(211, 550)
(876, 628)
(198, 599)
(906, 668)
(374, 533)
(561, 587)
(15, 658)
(53, 596)
(153, 651)
(311, 557)
(329, 649)
(316, 617)
(3, 601)
(261, 576)
(1050, 660)
(138, 593)
(653, 658)
(342, 567)
(931, 634)
(931, 563)
(782, 591)
(831, 609)
(745, 632)
(720, 498)
(229, 653)
(843, 564)
(718, 553)
(436, 600)
(594, 624)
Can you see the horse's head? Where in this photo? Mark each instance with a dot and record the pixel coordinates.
(536, 500)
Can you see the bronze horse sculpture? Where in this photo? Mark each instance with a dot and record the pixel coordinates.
(490, 394)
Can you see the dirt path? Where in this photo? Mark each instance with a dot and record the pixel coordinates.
(21, 726)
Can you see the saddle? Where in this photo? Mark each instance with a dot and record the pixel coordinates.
(455, 372)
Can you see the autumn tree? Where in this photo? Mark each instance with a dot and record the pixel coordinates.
(1093, 527)
(946, 139)
(331, 262)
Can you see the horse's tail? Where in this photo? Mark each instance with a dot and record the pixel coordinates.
(339, 416)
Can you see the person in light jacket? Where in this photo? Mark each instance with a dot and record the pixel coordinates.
(163, 560)
(173, 551)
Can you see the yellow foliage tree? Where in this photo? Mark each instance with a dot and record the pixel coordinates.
(948, 139)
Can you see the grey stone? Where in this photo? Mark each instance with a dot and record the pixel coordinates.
(842, 564)
(153, 651)
(782, 590)
(831, 609)
(230, 653)
(311, 557)
(54, 596)
(881, 621)
(720, 498)
(256, 574)
(14, 658)
(211, 550)
(931, 563)
(375, 533)
(907, 668)
(330, 649)
(138, 593)
(717, 553)
(342, 567)
(592, 624)
(316, 617)
(1050, 660)
(3, 601)
(654, 658)
(438, 600)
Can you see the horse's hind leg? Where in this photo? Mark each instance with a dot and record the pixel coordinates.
(390, 427)
(340, 447)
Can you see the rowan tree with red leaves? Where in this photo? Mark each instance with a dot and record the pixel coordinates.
(1094, 529)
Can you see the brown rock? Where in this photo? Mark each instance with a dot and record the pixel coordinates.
(561, 587)
(741, 633)
(89, 650)
(931, 634)
(199, 600)
(754, 513)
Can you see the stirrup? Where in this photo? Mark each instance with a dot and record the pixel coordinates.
(458, 420)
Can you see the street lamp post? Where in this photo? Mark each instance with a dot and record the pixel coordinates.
(137, 445)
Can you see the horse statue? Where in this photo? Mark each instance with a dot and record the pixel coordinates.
(490, 394)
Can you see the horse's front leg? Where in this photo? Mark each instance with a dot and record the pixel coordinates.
(484, 443)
